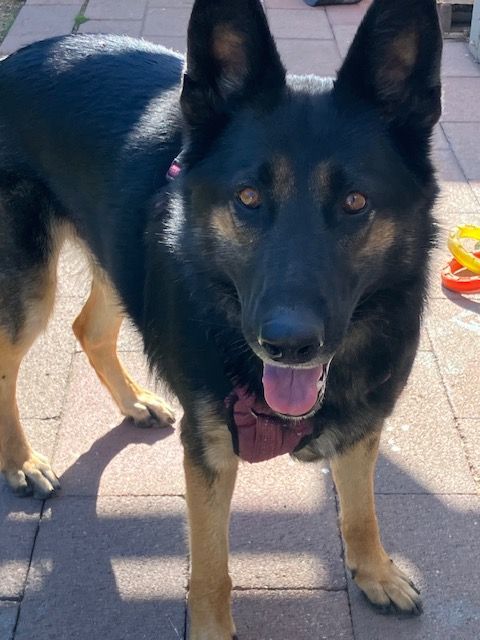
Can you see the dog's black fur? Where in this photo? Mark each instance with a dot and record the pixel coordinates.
(89, 126)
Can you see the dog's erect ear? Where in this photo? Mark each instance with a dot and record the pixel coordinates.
(394, 62)
(231, 56)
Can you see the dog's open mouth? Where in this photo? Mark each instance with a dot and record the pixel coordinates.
(294, 393)
(263, 429)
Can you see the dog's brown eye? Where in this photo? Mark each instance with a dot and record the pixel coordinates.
(249, 197)
(355, 202)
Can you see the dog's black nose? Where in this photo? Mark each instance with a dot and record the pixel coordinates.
(292, 338)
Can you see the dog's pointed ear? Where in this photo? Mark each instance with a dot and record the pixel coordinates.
(394, 63)
(231, 56)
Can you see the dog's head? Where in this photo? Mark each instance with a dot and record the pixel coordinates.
(302, 195)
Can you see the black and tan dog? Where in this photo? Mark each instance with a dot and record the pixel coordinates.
(268, 235)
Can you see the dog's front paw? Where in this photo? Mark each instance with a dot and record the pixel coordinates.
(34, 477)
(388, 588)
(150, 411)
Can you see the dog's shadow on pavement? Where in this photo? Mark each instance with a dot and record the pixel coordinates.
(109, 567)
(87, 470)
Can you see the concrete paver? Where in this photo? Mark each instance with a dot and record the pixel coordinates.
(454, 329)
(160, 21)
(315, 56)
(36, 22)
(470, 429)
(344, 34)
(52, 2)
(18, 526)
(296, 23)
(116, 9)
(288, 4)
(98, 451)
(175, 43)
(463, 138)
(457, 61)
(107, 568)
(8, 618)
(461, 99)
(179, 4)
(299, 614)
(284, 532)
(436, 540)
(338, 15)
(131, 28)
(110, 558)
(420, 440)
(456, 194)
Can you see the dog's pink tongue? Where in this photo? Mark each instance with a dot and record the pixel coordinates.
(292, 392)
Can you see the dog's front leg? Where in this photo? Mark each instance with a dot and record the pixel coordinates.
(208, 501)
(384, 584)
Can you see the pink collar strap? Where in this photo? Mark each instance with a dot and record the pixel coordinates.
(174, 170)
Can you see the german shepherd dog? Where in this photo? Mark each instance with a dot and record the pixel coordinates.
(268, 235)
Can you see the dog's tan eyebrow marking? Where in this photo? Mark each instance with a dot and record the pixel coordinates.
(321, 180)
(283, 179)
(222, 224)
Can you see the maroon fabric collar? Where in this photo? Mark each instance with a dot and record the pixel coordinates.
(259, 434)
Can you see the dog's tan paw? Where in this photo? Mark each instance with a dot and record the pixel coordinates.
(35, 477)
(389, 589)
(150, 411)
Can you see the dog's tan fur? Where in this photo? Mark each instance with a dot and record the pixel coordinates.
(97, 329)
(18, 460)
(208, 504)
(373, 571)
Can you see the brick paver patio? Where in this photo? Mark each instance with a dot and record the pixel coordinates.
(107, 560)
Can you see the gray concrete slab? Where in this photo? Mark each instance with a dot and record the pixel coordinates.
(107, 568)
(19, 519)
(284, 527)
(8, 618)
(296, 615)
(454, 327)
(436, 540)
(36, 22)
(470, 430)
(296, 23)
(44, 370)
(422, 451)
(309, 56)
(100, 452)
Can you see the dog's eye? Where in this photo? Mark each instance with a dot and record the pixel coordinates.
(355, 202)
(249, 197)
